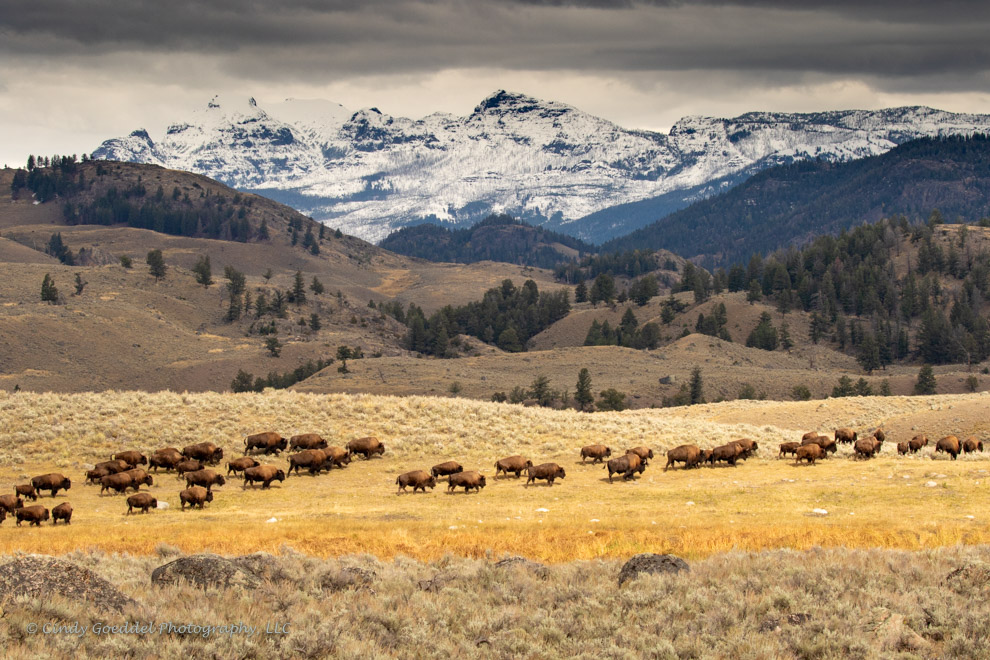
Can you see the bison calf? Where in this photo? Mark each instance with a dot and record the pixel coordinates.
(26, 490)
(788, 448)
(62, 512)
(418, 479)
(241, 464)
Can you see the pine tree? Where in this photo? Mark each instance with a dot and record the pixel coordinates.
(582, 391)
(80, 285)
(581, 292)
(316, 286)
(263, 231)
(869, 353)
(764, 335)
(299, 289)
(314, 322)
(508, 340)
(156, 264)
(611, 399)
(48, 291)
(204, 272)
(603, 289)
(926, 383)
(755, 292)
(696, 386)
(274, 346)
(540, 390)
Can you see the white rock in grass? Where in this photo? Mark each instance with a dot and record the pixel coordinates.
(595, 520)
(452, 527)
(930, 484)
(162, 505)
(820, 512)
(273, 519)
(689, 504)
(542, 510)
(971, 517)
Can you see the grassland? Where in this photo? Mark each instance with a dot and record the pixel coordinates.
(910, 502)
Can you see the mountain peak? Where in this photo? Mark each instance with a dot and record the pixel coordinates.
(502, 102)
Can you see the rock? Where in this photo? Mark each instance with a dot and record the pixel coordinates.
(205, 570)
(162, 504)
(41, 576)
(893, 635)
(651, 563)
(435, 583)
(348, 577)
(668, 380)
(820, 512)
(261, 565)
(973, 577)
(522, 563)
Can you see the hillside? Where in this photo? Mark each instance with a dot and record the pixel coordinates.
(127, 330)
(791, 204)
(496, 238)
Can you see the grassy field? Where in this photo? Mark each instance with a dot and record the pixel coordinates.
(910, 502)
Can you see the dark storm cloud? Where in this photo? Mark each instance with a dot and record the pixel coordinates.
(307, 39)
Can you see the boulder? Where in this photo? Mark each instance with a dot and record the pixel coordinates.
(521, 563)
(41, 576)
(205, 570)
(651, 563)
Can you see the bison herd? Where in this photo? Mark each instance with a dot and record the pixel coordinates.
(129, 470)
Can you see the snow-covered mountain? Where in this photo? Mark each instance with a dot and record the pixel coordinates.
(369, 173)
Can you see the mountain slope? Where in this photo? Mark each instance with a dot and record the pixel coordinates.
(792, 204)
(542, 161)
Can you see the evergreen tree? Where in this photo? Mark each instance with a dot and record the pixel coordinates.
(48, 291)
(314, 322)
(785, 337)
(268, 274)
(156, 264)
(582, 391)
(764, 335)
(508, 340)
(611, 399)
(344, 354)
(603, 289)
(926, 383)
(696, 386)
(869, 353)
(581, 292)
(236, 281)
(203, 271)
(80, 285)
(755, 292)
(316, 286)
(299, 289)
(844, 388)
(540, 390)
(274, 346)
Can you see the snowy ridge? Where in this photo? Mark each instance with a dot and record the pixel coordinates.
(369, 173)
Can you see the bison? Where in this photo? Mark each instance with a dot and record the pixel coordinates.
(469, 480)
(512, 464)
(62, 512)
(827, 444)
(206, 452)
(52, 481)
(139, 477)
(269, 442)
(880, 435)
(845, 435)
(417, 479)
(788, 448)
(598, 453)
(903, 448)
(166, 458)
(867, 447)
(809, 435)
(810, 453)
(336, 457)
(33, 514)
(26, 490)
(93, 476)
(205, 478)
(240, 464)
(366, 447)
(195, 496)
(971, 444)
(113, 467)
(11, 503)
(644, 453)
(188, 465)
(917, 442)
(729, 453)
(266, 474)
(548, 471)
(307, 441)
(143, 501)
(446, 469)
(748, 446)
(949, 444)
(119, 482)
(131, 457)
(690, 455)
(312, 459)
(628, 465)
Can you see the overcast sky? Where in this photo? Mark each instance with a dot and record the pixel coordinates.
(75, 72)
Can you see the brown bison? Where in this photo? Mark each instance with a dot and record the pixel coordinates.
(307, 441)
(729, 453)
(33, 514)
(644, 453)
(867, 447)
(880, 435)
(971, 444)
(446, 469)
(917, 442)
(195, 496)
(949, 444)
(139, 477)
(93, 476)
(336, 457)
(366, 447)
(240, 464)
(827, 444)
(269, 442)
(809, 435)
(26, 490)
(903, 448)
(205, 478)
(749, 447)
(548, 471)
(131, 457)
(845, 435)
(417, 479)
(628, 465)
(119, 482)
(598, 453)
(788, 448)
(311, 459)
(52, 481)
(809, 453)
(469, 480)
(690, 455)
(62, 512)
(206, 452)
(266, 474)
(188, 465)
(143, 501)
(166, 458)
(11, 503)
(512, 464)
(113, 467)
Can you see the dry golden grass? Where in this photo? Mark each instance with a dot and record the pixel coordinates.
(764, 503)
